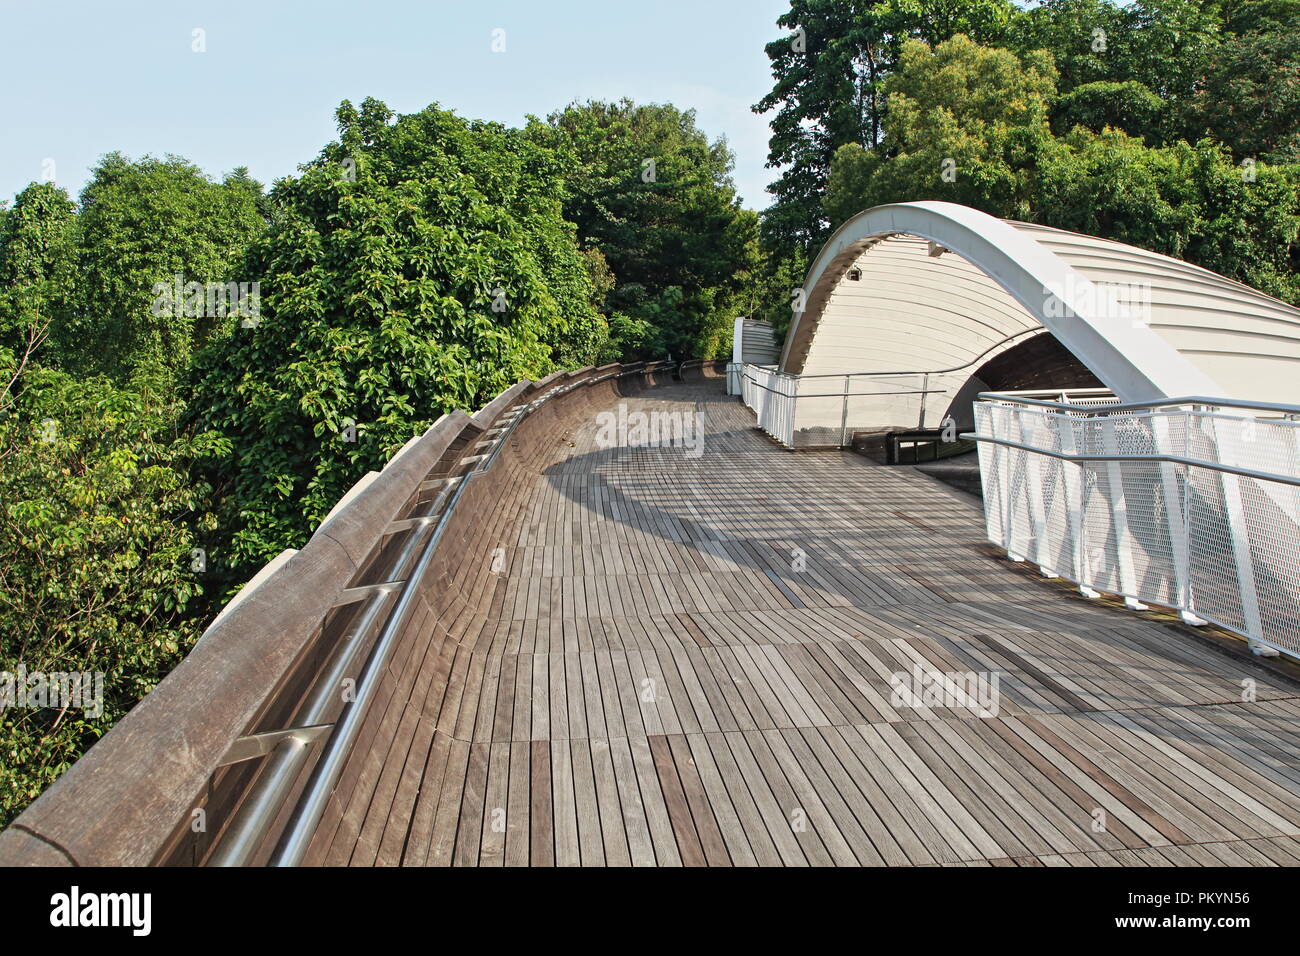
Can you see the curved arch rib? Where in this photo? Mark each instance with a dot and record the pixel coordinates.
(1126, 354)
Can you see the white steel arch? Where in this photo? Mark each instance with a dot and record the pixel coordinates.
(923, 286)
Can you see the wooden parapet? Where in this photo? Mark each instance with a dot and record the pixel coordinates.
(157, 789)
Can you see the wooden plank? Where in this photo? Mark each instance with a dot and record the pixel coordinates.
(689, 846)
(649, 681)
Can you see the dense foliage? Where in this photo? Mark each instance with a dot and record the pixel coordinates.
(37, 265)
(1170, 124)
(97, 561)
(653, 196)
(829, 72)
(194, 367)
(978, 114)
(419, 264)
(192, 370)
(145, 223)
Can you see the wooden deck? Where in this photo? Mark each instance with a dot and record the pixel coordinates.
(649, 679)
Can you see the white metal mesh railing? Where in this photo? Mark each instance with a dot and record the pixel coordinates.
(733, 377)
(1189, 503)
(804, 411)
(772, 397)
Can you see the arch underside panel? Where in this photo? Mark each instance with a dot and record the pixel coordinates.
(910, 312)
(920, 287)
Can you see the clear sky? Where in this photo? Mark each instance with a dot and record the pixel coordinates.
(82, 79)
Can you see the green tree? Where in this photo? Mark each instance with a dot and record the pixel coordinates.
(1168, 45)
(143, 224)
(1191, 202)
(771, 297)
(97, 567)
(1113, 185)
(650, 192)
(1250, 94)
(1137, 67)
(965, 123)
(37, 265)
(829, 73)
(1249, 218)
(1085, 37)
(1260, 16)
(1128, 106)
(420, 263)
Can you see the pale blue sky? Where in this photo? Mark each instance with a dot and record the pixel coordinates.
(78, 80)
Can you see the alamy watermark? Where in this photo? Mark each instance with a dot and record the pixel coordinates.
(653, 429)
(968, 690)
(212, 300)
(76, 908)
(1124, 301)
(39, 690)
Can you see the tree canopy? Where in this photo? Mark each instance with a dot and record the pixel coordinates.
(37, 265)
(99, 515)
(653, 196)
(143, 226)
(194, 370)
(1163, 71)
(968, 124)
(419, 264)
(828, 89)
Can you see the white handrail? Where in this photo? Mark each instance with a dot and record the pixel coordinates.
(801, 414)
(1179, 502)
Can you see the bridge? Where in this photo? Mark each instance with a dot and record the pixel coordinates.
(613, 619)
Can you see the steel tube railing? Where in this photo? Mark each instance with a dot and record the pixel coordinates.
(240, 842)
(1015, 398)
(775, 396)
(297, 835)
(780, 421)
(1170, 501)
(1167, 459)
(246, 834)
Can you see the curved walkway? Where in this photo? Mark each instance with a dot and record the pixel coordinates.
(691, 660)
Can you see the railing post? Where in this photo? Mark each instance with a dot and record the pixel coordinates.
(1123, 534)
(992, 477)
(1073, 478)
(844, 416)
(1176, 515)
(1013, 479)
(925, 386)
(1034, 501)
(792, 411)
(1239, 532)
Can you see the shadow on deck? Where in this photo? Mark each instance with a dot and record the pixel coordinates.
(642, 657)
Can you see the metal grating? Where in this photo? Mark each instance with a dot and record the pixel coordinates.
(1188, 503)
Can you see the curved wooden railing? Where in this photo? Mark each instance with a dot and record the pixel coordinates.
(219, 762)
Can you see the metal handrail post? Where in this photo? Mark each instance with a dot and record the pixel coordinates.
(1151, 554)
(844, 416)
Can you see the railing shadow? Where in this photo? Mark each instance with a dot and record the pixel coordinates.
(752, 507)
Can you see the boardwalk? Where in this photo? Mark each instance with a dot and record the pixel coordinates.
(688, 660)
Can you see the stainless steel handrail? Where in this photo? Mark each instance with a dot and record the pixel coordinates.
(265, 799)
(244, 835)
(741, 369)
(1101, 410)
(746, 377)
(1169, 459)
(296, 838)
(910, 391)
